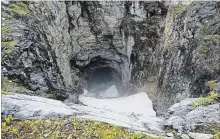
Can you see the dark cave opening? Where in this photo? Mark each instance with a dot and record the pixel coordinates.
(101, 79)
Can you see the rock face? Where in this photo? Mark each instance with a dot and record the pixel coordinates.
(184, 118)
(191, 51)
(60, 47)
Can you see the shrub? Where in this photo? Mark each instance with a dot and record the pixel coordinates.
(203, 101)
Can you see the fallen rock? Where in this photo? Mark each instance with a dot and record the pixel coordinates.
(169, 134)
(184, 118)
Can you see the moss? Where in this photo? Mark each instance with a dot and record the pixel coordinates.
(68, 127)
(203, 101)
(10, 86)
(217, 135)
(8, 17)
(9, 46)
(205, 28)
(213, 84)
(5, 92)
(5, 29)
(177, 9)
(20, 9)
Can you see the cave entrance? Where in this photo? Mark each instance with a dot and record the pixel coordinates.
(105, 82)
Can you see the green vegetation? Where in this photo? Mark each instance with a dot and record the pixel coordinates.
(5, 93)
(203, 101)
(8, 17)
(205, 28)
(5, 29)
(9, 46)
(9, 86)
(217, 135)
(67, 127)
(20, 9)
(177, 9)
(213, 84)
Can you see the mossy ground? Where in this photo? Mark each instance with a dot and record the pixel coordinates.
(66, 128)
(10, 86)
(203, 101)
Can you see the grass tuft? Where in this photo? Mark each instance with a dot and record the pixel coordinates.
(5, 29)
(20, 9)
(203, 101)
(5, 92)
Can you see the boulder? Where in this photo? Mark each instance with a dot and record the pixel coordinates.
(184, 118)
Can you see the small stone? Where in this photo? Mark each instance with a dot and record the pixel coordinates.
(169, 134)
(200, 135)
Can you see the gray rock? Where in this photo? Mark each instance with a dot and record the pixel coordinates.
(200, 135)
(184, 136)
(187, 64)
(169, 134)
(184, 118)
(181, 108)
(22, 106)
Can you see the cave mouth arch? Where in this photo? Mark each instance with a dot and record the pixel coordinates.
(104, 82)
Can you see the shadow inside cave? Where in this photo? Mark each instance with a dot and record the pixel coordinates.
(104, 82)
